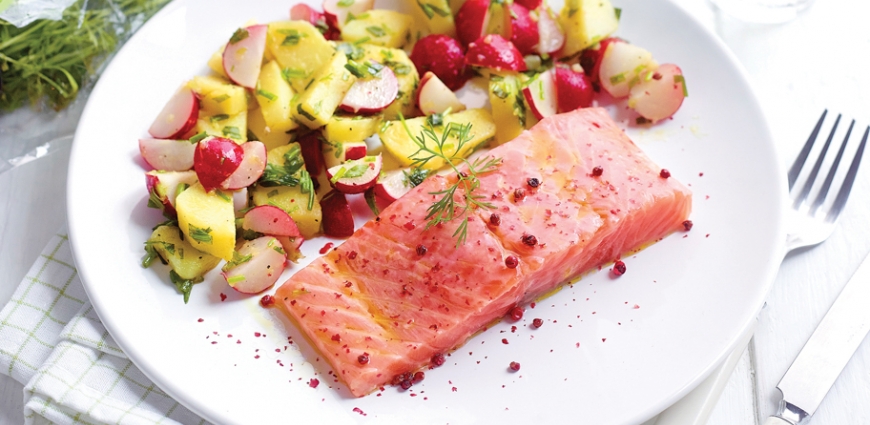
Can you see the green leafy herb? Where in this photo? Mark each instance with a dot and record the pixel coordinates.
(219, 117)
(305, 113)
(232, 132)
(196, 138)
(372, 202)
(618, 12)
(199, 234)
(345, 3)
(46, 62)
(239, 35)
(376, 31)
(415, 177)
(447, 208)
(183, 285)
(618, 78)
(352, 52)
(221, 98)
(268, 95)
(237, 260)
(291, 73)
(679, 79)
(154, 200)
(292, 37)
(430, 10)
(236, 279)
(307, 187)
(398, 67)
(285, 175)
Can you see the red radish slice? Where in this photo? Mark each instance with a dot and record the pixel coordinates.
(590, 59)
(270, 220)
(524, 30)
(355, 176)
(250, 169)
(573, 88)
(659, 94)
(621, 65)
(338, 153)
(552, 38)
(337, 14)
(443, 56)
(163, 186)
(493, 51)
(311, 146)
(167, 154)
(240, 199)
(257, 265)
(337, 216)
(392, 186)
(434, 97)
(530, 4)
(372, 95)
(215, 160)
(243, 55)
(540, 93)
(177, 117)
(472, 20)
(304, 12)
(291, 246)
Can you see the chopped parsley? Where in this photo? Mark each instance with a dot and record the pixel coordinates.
(199, 234)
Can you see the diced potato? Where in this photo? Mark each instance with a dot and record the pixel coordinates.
(405, 72)
(218, 96)
(273, 93)
(381, 27)
(188, 262)
(585, 23)
(207, 220)
(499, 19)
(437, 16)
(300, 49)
(230, 126)
(399, 143)
(295, 199)
(270, 138)
(319, 101)
(216, 62)
(508, 107)
(354, 128)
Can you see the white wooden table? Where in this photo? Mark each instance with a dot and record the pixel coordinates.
(820, 60)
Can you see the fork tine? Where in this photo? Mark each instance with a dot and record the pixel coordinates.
(811, 179)
(823, 192)
(805, 152)
(843, 195)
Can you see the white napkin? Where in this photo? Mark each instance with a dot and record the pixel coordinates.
(52, 342)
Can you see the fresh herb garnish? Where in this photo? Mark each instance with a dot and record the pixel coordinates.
(183, 285)
(446, 208)
(232, 132)
(239, 35)
(237, 260)
(284, 175)
(679, 79)
(376, 31)
(268, 95)
(196, 138)
(430, 11)
(199, 234)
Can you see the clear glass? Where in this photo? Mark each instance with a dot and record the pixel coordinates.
(762, 11)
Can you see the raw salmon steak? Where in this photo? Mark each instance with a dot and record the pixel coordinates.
(395, 294)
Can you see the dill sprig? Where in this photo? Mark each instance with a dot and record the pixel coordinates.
(446, 208)
(49, 61)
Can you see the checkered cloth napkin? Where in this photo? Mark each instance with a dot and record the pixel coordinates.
(52, 342)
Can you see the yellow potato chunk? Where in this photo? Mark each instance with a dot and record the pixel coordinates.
(207, 220)
(300, 49)
(585, 23)
(273, 93)
(406, 73)
(218, 96)
(320, 100)
(400, 144)
(508, 107)
(351, 128)
(188, 262)
(437, 16)
(272, 139)
(286, 165)
(230, 126)
(381, 27)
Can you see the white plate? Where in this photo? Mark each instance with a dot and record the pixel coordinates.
(597, 359)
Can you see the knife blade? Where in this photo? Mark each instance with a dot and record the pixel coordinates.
(825, 354)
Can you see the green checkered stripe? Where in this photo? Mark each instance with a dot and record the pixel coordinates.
(44, 302)
(53, 342)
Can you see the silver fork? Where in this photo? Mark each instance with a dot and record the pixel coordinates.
(811, 221)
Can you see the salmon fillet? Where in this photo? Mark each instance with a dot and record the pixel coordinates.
(380, 296)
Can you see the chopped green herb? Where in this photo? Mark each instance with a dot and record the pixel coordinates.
(199, 234)
(237, 260)
(268, 95)
(618, 12)
(305, 113)
(679, 79)
(376, 31)
(415, 177)
(223, 196)
(183, 285)
(290, 73)
(221, 98)
(239, 35)
(618, 78)
(345, 3)
(352, 52)
(232, 132)
(236, 279)
(362, 41)
(196, 138)
(292, 37)
(219, 117)
(430, 10)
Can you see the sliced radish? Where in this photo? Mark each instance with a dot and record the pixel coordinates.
(311, 145)
(337, 153)
(337, 11)
(163, 187)
(250, 169)
(494, 52)
(292, 246)
(177, 117)
(524, 30)
(270, 220)
(540, 93)
(434, 97)
(243, 55)
(393, 185)
(552, 38)
(472, 20)
(590, 59)
(240, 199)
(621, 65)
(355, 176)
(373, 94)
(167, 154)
(660, 93)
(337, 215)
(573, 88)
(256, 265)
(304, 12)
(215, 160)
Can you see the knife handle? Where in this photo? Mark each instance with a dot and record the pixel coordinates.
(776, 420)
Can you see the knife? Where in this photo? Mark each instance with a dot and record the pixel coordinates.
(826, 353)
